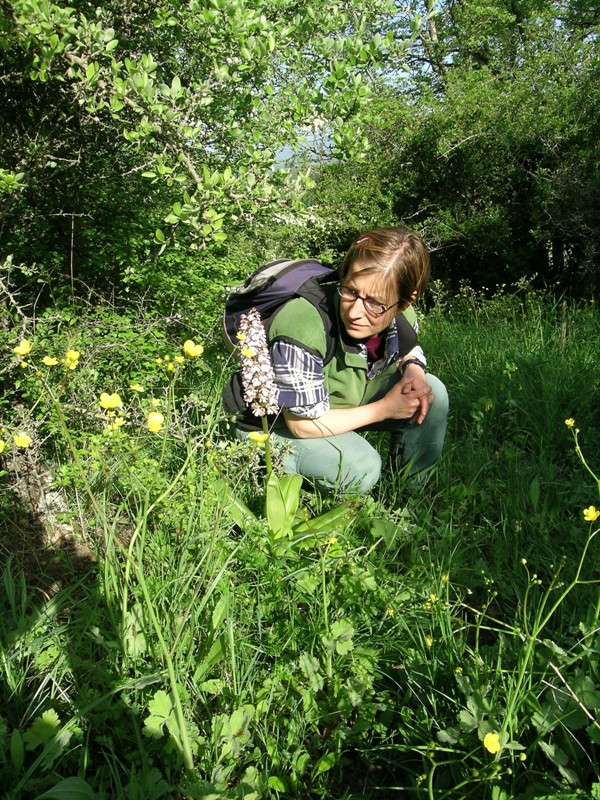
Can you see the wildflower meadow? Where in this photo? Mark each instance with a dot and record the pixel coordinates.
(182, 620)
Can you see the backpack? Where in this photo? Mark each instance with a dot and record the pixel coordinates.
(268, 289)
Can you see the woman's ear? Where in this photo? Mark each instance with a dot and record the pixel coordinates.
(404, 306)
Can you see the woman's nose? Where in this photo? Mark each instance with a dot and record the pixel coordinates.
(357, 309)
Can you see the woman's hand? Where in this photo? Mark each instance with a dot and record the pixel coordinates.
(414, 380)
(410, 398)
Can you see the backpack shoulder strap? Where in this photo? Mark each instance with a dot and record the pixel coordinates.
(407, 335)
(315, 328)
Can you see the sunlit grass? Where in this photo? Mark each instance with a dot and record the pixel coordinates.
(432, 644)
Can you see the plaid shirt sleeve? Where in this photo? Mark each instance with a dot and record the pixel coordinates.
(300, 380)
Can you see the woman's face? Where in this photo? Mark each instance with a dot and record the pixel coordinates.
(360, 323)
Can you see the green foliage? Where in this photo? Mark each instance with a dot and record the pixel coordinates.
(485, 146)
(234, 636)
(127, 127)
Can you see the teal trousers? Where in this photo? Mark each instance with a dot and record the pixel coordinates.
(349, 463)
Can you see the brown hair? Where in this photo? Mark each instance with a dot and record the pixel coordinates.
(398, 254)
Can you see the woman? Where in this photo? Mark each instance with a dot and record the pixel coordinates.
(377, 379)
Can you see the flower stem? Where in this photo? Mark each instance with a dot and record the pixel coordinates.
(265, 428)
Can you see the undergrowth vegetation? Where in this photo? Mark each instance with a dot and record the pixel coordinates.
(176, 623)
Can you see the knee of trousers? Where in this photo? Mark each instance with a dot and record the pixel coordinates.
(363, 473)
(440, 405)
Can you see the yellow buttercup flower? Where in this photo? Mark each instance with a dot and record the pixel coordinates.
(155, 421)
(257, 437)
(115, 425)
(23, 364)
(170, 367)
(23, 348)
(570, 422)
(2, 446)
(591, 514)
(72, 358)
(491, 742)
(192, 350)
(110, 401)
(49, 361)
(179, 359)
(241, 337)
(22, 439)
(155, 402)
(136, 387)
(248, 352)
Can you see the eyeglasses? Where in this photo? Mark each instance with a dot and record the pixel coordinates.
(372, 307)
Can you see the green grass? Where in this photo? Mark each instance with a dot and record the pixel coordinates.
(365, 650)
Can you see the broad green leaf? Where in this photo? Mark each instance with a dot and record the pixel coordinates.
(17, 750)
(277, 784)
(388, 530)
(69, 789)
(325, 763)
(534, 493)
(448, 736)
(42, 729)
(233, 507)
(336, 519)
(282, 501)
(219, 613)
(554, 753)
(215, 654)
(341, 634)
(467, 720)
(160, 708)
(310, 669)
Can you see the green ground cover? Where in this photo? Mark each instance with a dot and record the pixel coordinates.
(174, 624)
